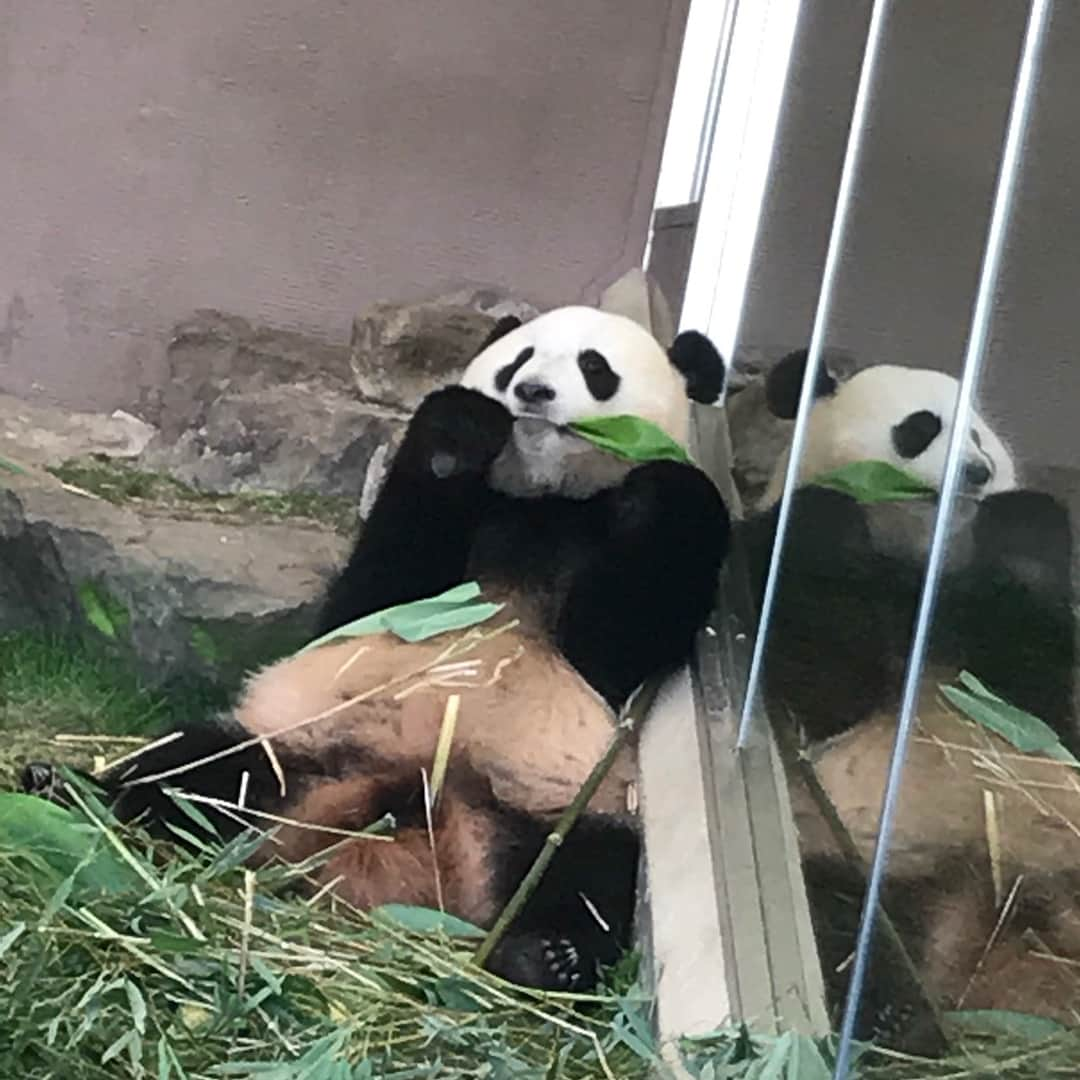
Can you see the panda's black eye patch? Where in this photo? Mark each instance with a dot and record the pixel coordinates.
(916, 432)
(505, 374)
(599, 378)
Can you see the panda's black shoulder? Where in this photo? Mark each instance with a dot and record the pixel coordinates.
(850, 586)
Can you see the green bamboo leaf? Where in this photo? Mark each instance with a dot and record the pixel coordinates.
(13, 935)
(118, 1047)
(95, 612)
(58, 839)
(630, 437)
(874, 482)
(427, 920)
(138, 1006)
(1007, 1023)
(11, 467)
(806, 1061)
(419, 620)
(1022, 729)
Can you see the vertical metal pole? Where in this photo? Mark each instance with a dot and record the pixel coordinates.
(833, 255)
(978, 335)
(712, 104)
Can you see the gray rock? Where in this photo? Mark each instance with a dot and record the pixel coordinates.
(42, 434)
(251, 408)
(180, 596)
(255, 409)
(212, 354)
(280, 438)
(401, 352)
(637, 296)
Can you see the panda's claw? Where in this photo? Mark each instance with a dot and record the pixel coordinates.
(563, 962)
(540, 961)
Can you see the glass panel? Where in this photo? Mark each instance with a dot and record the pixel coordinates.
(981, 894)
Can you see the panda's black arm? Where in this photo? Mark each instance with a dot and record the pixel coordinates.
(417, 538)
(1008, 614)
(838, 608)
(635, 607)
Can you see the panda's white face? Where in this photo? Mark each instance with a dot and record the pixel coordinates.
(903, 416)
(575, 363)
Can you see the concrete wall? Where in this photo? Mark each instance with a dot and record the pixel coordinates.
(916, 237)
(293, 162)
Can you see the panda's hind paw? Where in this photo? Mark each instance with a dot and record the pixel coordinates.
(542, 962)
(42, 779)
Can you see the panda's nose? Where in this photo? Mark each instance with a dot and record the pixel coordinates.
(976, 474)
(534, 393)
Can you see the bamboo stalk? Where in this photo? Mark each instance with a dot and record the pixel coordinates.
(891, 942)
(635, 711)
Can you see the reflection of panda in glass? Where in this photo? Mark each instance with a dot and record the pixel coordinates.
(889, 413)
(610, 569)
(841, 631)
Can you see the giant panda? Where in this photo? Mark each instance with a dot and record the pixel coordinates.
(985, 856)
(606, 569)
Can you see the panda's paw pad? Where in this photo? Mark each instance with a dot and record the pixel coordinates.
(463, 431)
(563, 962)
(540, 961)
(43, 780)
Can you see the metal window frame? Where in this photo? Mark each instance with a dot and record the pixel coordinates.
(727, 921)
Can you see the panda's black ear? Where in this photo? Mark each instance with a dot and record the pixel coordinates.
(784, 384)
(500, 329)
(700, 364)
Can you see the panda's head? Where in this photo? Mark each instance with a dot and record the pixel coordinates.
(576, 363)
(889, 413)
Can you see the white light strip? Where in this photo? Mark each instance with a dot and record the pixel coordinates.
(978, 336)
(746, 120)
(692, 116)
(833, 254)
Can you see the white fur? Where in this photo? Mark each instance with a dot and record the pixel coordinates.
(650, 386)
(855, 424)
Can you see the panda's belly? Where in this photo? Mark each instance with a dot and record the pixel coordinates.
(963, 787)
(527, 721)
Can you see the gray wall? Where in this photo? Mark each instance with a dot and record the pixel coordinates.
(916, 238)
(294, 161)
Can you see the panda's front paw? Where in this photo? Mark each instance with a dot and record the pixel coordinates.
(668, 493)
(543, 962)
(457, 431)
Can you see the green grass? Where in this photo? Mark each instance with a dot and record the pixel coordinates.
(120, 482)
(142, 961)
(52, 688)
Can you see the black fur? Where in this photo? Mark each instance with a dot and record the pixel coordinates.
(701, 365)
(846, 605)
(889, 1004)
(501, 328)
(916, 432)
(559, 942)
(505, 375)
(783, 385)
(602, 381)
